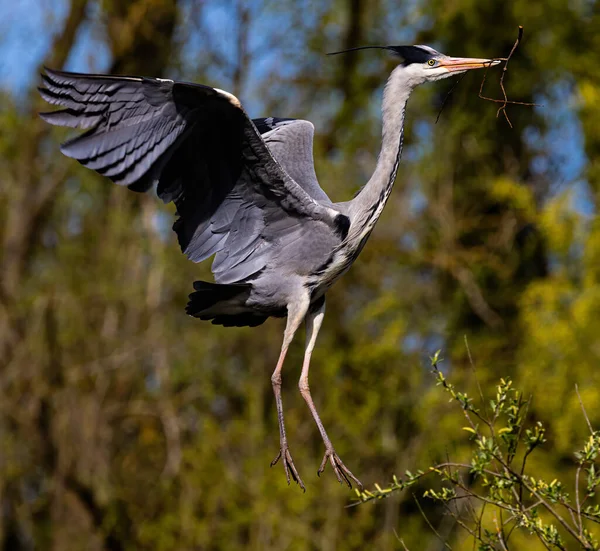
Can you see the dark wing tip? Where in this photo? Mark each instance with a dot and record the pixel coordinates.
(46, 116)
(59, 77)
(53, 74)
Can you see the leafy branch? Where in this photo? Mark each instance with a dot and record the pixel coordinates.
(498, 477)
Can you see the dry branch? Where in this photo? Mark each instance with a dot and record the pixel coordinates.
(504, 101)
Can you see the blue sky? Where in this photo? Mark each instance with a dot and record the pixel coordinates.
(26, 29)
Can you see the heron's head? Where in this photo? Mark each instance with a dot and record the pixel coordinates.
(421, 64)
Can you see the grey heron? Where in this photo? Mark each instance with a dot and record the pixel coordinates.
(245, 191)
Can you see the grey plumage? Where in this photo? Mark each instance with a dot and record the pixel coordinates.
(203, 152)
(245, 191)
(291, 143)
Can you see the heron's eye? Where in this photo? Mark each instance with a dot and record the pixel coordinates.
(431, 62)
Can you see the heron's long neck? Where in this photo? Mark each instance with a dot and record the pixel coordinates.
(367, 206)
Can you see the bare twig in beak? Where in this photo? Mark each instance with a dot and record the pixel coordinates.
(505, 101)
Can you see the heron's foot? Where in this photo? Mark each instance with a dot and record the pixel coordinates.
(288, 465)
(341, 471)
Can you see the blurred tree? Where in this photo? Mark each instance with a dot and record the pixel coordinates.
(126, 425)
(28, 193)
(140, 32)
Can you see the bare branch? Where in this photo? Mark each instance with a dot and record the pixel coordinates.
(585, 415)
(504, 101)
(445, 543)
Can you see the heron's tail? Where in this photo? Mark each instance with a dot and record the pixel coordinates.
(223, 304)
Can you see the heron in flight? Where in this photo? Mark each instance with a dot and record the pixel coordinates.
(245, 191)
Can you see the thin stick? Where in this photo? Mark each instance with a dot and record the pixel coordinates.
(579, 519)
(503, 107)
(444, 543)
(500, 532)
(587, 419)
(448, 96)
(472, 363)
(400, 540)
(505, 101)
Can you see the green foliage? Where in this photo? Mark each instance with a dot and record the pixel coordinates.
(497, 486)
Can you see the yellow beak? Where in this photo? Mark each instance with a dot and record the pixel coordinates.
(452, 64)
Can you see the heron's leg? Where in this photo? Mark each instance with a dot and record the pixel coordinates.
(296, 313)
(314, 320)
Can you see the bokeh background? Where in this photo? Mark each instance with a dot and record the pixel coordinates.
(126, 425)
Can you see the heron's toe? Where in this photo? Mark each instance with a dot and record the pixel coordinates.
(288, 466)
(342, 473)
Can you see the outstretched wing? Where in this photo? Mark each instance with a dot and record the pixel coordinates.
(203, 152)
(291, 143)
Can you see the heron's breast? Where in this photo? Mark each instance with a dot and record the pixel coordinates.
(336, 265)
